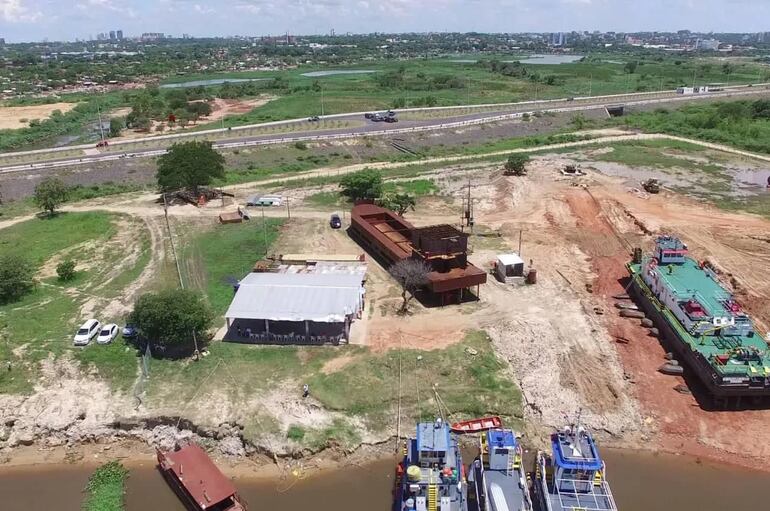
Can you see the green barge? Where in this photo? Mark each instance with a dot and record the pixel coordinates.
(712, 335)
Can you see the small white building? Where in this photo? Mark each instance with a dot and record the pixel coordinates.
(509, 268)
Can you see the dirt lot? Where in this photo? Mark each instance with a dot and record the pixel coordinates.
(15, 117)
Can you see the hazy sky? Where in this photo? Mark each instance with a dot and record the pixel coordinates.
(31, 20)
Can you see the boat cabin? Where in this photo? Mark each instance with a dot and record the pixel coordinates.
(670, 250)
(433, 471)
(576, 460)
(501, 446)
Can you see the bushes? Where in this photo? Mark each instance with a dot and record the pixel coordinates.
(66, 270)
(106, 488)
(15, 278)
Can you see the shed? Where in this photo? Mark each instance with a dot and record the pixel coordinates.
(509, 265)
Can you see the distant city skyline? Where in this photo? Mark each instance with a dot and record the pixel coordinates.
(35, 20)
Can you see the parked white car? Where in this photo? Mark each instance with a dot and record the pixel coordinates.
(108, 333)
(87, 331)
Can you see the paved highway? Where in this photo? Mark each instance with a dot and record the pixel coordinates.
(239, 137)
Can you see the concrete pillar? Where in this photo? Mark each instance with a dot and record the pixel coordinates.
(307, 330)
(267, 326)
(347, 328)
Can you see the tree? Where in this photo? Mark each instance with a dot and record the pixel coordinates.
(15, 278)
(399, 202)
(189, 165)
(362, 185)
(516, 164)
(116, 126)
(171, 317)
(199, 108)
(411, 275)
(631, 66)
(51, 193)
(66, 270)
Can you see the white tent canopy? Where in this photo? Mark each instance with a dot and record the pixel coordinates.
(326, 298)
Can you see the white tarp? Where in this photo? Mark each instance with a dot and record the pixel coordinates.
(325, 298)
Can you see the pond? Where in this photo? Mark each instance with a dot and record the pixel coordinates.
(205, 83)
(332, 72)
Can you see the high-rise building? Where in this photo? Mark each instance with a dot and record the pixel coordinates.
(558, 39)
(112, 35)
(119, 34)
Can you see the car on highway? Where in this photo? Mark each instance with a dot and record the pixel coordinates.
(315, 118)
(129, 331)
(377, 118)
(390, 113)
(107, 334)
(368, 115)
(335, 222)
(391, 119)
(86, 332)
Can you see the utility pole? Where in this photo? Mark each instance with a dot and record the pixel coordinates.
(590, 84)
(101, 127)
(322, 100)
(264, 228)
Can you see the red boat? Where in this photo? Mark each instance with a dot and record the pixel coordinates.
(476, 425)
(197, 480)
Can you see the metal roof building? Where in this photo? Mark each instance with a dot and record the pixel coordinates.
(295, 308)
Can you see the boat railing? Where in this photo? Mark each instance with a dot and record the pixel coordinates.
(598, 497)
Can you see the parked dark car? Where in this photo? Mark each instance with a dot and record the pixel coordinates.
(129, 331)
(315, 118)
(368, 115)
(391, 119)
(391, 113)
(335, 221)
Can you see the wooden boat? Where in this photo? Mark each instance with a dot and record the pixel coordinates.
(197, 480)
(476, 425)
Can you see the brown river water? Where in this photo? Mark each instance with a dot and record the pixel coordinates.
(640, 482)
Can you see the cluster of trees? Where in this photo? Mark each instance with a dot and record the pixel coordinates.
(742, 124)
(366, 185)
(518, 70)
(174, 105)
(400, 79)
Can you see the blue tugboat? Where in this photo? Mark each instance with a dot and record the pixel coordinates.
(431, 476)
(497, 475)
(573, 476)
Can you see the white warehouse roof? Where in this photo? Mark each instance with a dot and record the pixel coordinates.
(322, 297)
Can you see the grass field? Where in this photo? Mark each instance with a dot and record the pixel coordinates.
(42, 323)
(215, 259)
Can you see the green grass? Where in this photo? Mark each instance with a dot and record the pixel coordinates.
(224, 253)
(115, 362)
(649, 153)
(416, 187)
(40, 238)
(469, 385)
(295, 433)
(41, 323)
(106, 488)
(324, 200)
(366, 388)
(733, 123)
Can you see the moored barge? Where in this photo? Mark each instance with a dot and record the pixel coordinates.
(197, 481)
